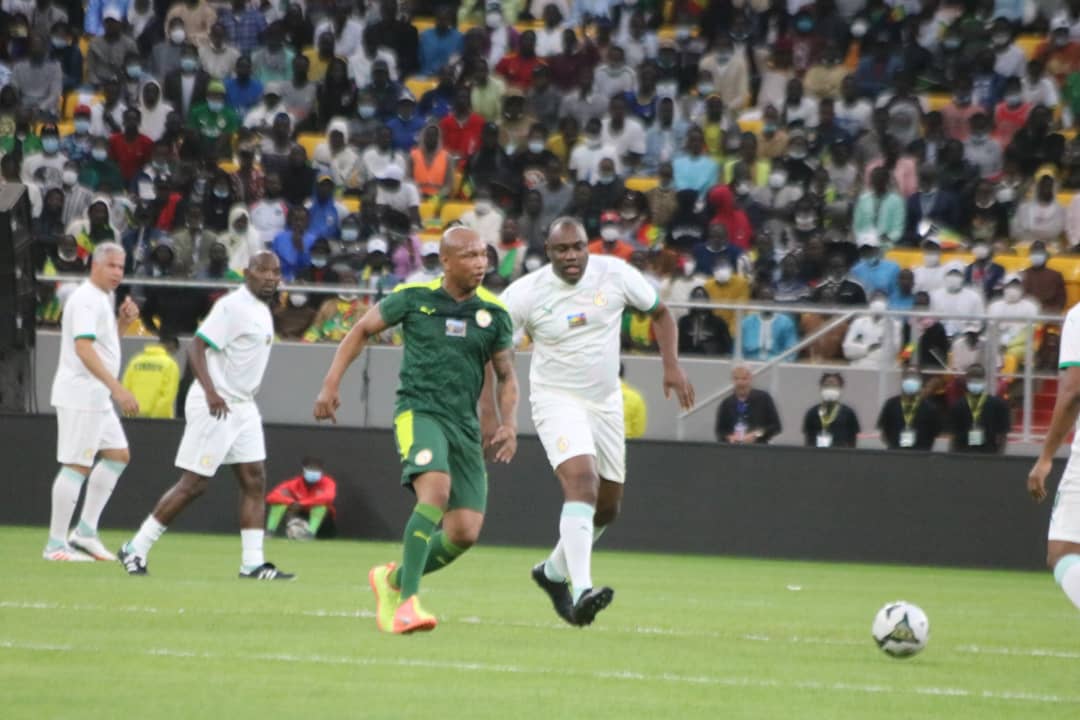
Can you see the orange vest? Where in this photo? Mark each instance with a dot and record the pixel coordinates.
(429, 178)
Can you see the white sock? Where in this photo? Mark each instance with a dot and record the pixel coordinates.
(149, 533)
(576, 535)
(555, 565)
(251, 541)
(1067, 574)
(99, 488)
(65, 494)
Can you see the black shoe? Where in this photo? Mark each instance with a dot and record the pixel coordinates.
(267, 571)
(134, 564)
(590, 603)
(559, 593)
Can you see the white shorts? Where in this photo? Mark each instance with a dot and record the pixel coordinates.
(1065, 518)
(569, 427)
(81, 434)
(209, 442)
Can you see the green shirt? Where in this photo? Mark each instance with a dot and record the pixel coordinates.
(447, 345)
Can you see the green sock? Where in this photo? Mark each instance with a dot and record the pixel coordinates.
(273, 517)
(418, 532)
(315, 518)
(441, 552)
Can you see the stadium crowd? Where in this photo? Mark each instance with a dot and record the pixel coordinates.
(765, 152)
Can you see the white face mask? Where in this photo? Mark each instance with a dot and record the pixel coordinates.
(722, 274)
(805, 221)
(878, 305)
(777, 179)
(482, 207)
(609, 233)
(954, 282)
(830, 394)
(1013, 293)
(177, 35)
(1038, 259)
(931, 258)
(70, 177)
(689, 266)
(981, 251)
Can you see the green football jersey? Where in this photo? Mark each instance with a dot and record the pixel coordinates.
(447, 345)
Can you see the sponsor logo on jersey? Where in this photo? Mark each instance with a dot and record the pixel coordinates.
(483, 318)
(427, 310)
(575, 319)
(455, 327)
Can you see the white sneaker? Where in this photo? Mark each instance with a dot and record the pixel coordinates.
(91, 546)
(66, 553)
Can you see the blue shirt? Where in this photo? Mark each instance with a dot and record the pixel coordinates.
(324, 219)
(646, 112)
(705, 258)
(782, 335)
(698, 174)
(243, 29)
(94, 23)
(884, 277)
(405, 132)
(436, 49)
(292, 261)
(241, 97)
(435, 104)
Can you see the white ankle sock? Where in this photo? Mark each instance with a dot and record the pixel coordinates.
(576, 536)
(555, 566)
(1067, 574)
(149, 533)
(65, 494)
(251, 543)
(99, 486)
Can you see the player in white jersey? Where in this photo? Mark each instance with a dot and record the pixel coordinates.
(83, 392)
(228, 356)
(572, 309)
(1063, 538)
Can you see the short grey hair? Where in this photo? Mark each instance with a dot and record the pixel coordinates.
(571, 221)
(107, 248)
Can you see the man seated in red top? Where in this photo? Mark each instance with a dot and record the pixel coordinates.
(461, 128)
(609, 243)
(518, 67)
(130, 149)
(308, 495)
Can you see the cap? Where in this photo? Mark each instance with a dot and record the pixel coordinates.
(325, 177)
(1060, 23)
(82, 109)
(215, 86)
(390, 172)
(376, 244)
(49, 129)
(406, 95)
(429, 248)
(273, 88)
(609, 216)
(867, 239)
(1012, 278)
(954, 267)
(112, 13)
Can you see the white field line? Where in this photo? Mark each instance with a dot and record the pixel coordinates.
(616, 675)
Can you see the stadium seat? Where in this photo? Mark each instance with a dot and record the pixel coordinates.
(936, 101)
(420, 85)
(1065, 198)
(642, 183)
(1029, 44)
(752, 125)
(453, 210)
(66, 127)
(309, 141)
(228, 166)
(351, 203)
(429, 211)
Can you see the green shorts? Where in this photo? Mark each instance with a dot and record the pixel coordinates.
(428, 444)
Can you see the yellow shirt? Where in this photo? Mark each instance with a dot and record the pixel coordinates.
(316, 65)
(735, 290)
(153, 377)
(635, 414)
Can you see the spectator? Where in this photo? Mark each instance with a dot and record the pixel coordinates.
(874, 272)
(396, 194)
(436, 103)
(293, 246)
(406, 125)
(489, 165)
(440, 43)
(347, 31)
(663, 138)
(980, 420)
(487, 92)
(931, 203)
(216, 57)
(240, 239)
(40, 80)
(430, 267)
(983, 272)
(831, 423)
(67, 52)
(748, 415)
(242, 91)
(880, 211)
(693, 169)
(625, 134)
(837, 288)
(728, 214)
(269, 213)
(484, 217)
(609, 242)
(461, 129)
(586, 156)
(543, 99)
(243, 25)
(130, 149)
(635, 412)
(907, 421)
(510, 251)
(873, 340)
(308, 496)
(905, 296)
(956, 299)
(584, 102)
(981, 150)
(49, 162)
(530, 224)
(378, 274)
(170, 311)
(300, 94)
(273, 61)
(662, 198)
(555, 194)
(395, 34)
(94, 18)
(1012, 337)
(185, 88)
(430, 165)
(930, 276)
(198, 18)
(725, 286)
(324, 212)
(165, 56)
(153, 377)
(382, 154)
(766, 334)
(1045, 285)
(614, 77)
(106, 53)
(214, 122)
(155, 111)
(701, 332)
(1041, 217)
(99, 172)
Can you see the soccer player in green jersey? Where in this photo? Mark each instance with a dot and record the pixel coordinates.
(452, 328)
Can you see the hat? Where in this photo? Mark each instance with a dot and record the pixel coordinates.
(954, 267)
(390, 172)
(273, 88)
(429, 248)
(82, 109)
(323, 177)
(49, 129)
(1012, 278)
(609, 217)
(376, 244)
(867, 239)
(406, 95)
(1060, 23)
(112, 13)
(215, 86)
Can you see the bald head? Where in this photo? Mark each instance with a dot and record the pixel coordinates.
(456, 237)
(263, 275)
(743, 380)
(263, 259)
(464, 259)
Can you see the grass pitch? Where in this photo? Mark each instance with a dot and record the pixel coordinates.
(687, 637)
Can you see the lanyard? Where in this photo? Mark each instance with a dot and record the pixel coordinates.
(909, 413)
(976, 410)
(827, 418)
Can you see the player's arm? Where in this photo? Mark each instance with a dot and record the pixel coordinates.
(329, 399)
(84, 350)
(197, 359)
(1066, 409)
(667, 338)
(487, 410)
(505, 438)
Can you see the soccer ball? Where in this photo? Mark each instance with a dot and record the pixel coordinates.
(901, 629)
(297, 529)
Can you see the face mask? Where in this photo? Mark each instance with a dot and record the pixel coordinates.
(609, 233)
(69, 177)
(911, 385)
(215, 105)
(980, 251)
(628, 215)
(704, 89)
(1006, 194)
(1013, 100)
(297, 299)
(319, 261)
(82, 126)
(189, 64)
(976, 387)
(797, 154)
(931, 258)
(493, 20)
(536, 146)
(605, 178)
(366, 111)
(805, 221)
(962, 100)
(50, 145)
(830, 394)
(688, 267)
(1061, 40)
(67, 256)
(349, 234)
(954, 282)
(1013, 294)
(593, 141)
(769, 129)
(221, 193)
(1038, 259)
(177, 35)
(482, 207)
(777, 179)
(99, 154)
(878, 305)
(134, 71)
(722, 274)
(312, 476)
(59, 43)
(742, 189)
(1001, 40)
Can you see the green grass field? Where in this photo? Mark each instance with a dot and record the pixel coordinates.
(687, 637)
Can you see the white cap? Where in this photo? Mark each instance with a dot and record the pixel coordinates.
(1012, 278)
(112, 13)
(954, 267)
(1060, 22)
(430, 247)
(390, 172)
(867, 239)
(376, 244)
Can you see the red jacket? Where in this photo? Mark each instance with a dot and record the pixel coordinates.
(297, 490)
(518, 70)
(130, 156)
(461, 140)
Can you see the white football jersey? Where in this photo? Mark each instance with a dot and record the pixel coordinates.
(88, 313)
(240, 332)
(1069, 352)
(575, 328)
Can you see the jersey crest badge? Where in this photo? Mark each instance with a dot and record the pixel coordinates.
(483, 318)
(455, 327)
(575, 319)
(600, 299)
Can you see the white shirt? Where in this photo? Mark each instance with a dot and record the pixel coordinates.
(240, 332)
(585, 161)
(856, 115)
(268, 218)
(351, 39)
(929, 279)
(863, 334)
(88, 313)
(549, 42)
(405, 197)
(631, 139)
(488, 226)
(1025, 307)
(575, 328)
(964, 302)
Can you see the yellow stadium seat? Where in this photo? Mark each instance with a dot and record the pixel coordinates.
(1068, 133)
(351, 203)
(74, 99)
(309, 141)
(430, 235)
(420, 85)
(1029, 44)
(1065, 198)
(65, 127)
(423, 23)
(429, 211)
(641, 183)
(453, 210)
(752, 125)
(936, 101)
(228, 166)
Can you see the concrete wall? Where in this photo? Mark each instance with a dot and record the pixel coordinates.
(867, 505)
